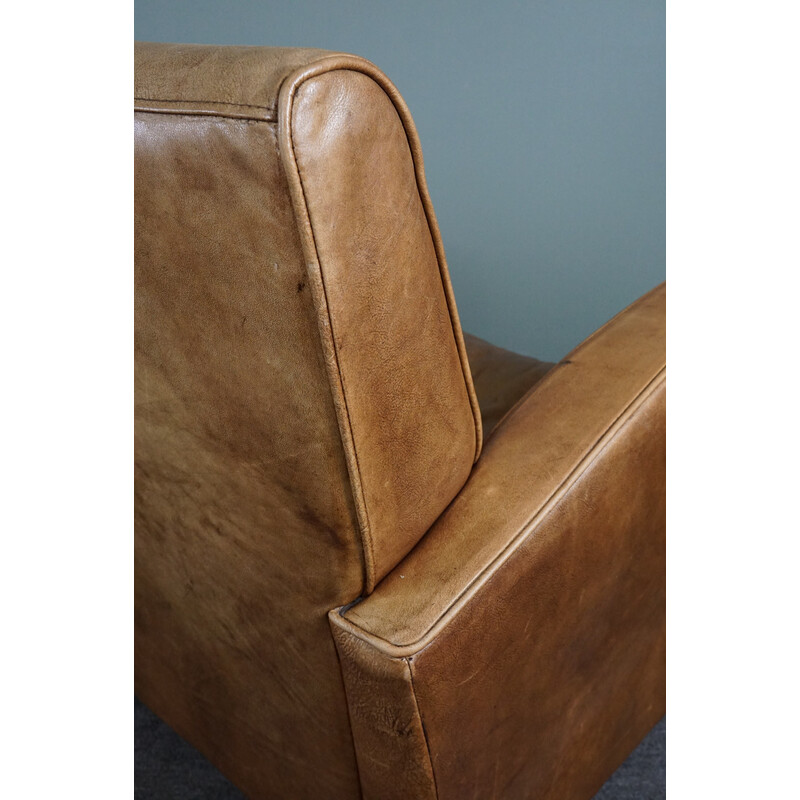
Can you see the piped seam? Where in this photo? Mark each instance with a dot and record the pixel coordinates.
(367, 538)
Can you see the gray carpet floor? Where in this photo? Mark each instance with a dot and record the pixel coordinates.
(168, 768)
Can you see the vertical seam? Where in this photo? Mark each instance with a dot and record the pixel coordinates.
(347, 705)
(422, 725)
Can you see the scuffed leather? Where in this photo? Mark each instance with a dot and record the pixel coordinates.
(501, 378)
(532, 614)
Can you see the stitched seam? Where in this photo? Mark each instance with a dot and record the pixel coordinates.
(204, 114)
(205, 100)
(422, 725)
(521, 535)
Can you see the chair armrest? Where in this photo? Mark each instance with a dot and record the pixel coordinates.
(518, 650)
(536, 456)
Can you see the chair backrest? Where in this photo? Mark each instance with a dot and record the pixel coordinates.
(304, 407)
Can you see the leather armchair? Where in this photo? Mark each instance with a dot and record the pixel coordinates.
(374, 557)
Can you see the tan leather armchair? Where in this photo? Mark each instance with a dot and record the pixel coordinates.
(374, 557)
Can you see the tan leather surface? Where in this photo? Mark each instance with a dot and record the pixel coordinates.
(304, 406)
(555, 670)
(532, 615)
(501, 378)
(403, 383)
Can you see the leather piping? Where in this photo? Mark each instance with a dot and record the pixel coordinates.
(286, 97)
(403, 650)
(349, 715)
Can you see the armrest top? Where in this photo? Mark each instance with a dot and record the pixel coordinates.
(538, 452)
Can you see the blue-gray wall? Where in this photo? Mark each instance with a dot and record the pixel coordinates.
(542, 127)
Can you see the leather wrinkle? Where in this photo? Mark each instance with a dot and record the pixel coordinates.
(583, 464)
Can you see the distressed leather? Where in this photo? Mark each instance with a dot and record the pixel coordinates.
(308, 434)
